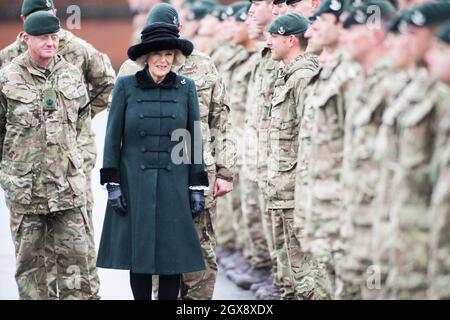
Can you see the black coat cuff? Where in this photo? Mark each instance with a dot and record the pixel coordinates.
(109, 175)
(199, 179)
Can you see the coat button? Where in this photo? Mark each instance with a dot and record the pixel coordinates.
(174, 116)
(142, 167)
(169, 167)
(143, 149)
(143, 133)
(139, 100)
(141, 116)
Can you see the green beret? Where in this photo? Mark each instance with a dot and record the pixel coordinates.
(427, 14)
(235, 7)
(198, 11)
(396, 25)
(41, 22)
(350, 4)
(360, 14)
(30, 6)
(288, 2)
(278, 1)
(242, 14)
(163, 12)
(443, 33)
(220, 12)
(287, 24)
(335, 7)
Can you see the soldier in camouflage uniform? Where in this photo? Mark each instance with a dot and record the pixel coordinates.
(417, 127)
(99, 77)
(438, 60)
(41, 172)
(363, 119)
(386, 149)
(232, 232)
(287, 44)
(260, 90)
(322, 36)
(258, 256)
(219, 153)
(323, 204)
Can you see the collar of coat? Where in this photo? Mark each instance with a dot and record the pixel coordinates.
(145, 81)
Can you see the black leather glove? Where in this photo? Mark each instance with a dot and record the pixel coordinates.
(116, 198)
(197, 202)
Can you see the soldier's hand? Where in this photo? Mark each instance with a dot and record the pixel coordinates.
(116, 198)
(197, 202)
(221, 187)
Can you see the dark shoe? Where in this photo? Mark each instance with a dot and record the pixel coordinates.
(251, 276)
(268, 293)
(254, 287)
(236, 262)
(222, 252)
(237, 255)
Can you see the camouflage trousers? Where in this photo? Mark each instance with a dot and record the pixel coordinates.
(439, 266)
(229, 220)
(200, 285)
(359, 275)
(52, 255)
(294, 268)
(252, 212)
(92, 259)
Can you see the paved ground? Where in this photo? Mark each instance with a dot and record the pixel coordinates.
(114, 283)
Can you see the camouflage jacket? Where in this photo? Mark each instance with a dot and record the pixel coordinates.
(285, 115)
(327, 140)
(41, 164)
(260, 91)
(97, 72)
(94, 66)
(439, 266)
(238, 89)
(364, 117)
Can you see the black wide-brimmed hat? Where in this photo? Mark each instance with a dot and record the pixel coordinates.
(160, 36)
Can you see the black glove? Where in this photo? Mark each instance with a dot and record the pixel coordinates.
(197, 202)
(116, 198)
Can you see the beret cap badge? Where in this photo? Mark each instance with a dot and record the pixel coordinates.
(418, 18)
(360, 17)
(230, 11)
(281, 31)
(335, 5)
(48, 3)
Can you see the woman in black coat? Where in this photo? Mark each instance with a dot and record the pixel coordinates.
(153, 167)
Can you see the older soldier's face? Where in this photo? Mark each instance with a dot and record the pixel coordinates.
(42, 47)
(160, 63)
(438, 61)
(278, 45)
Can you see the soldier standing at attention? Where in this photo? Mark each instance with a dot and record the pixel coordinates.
(288, 44)
(41, 172)
(98, 77)
(363, 119)
(417, 128)
(438, 61)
